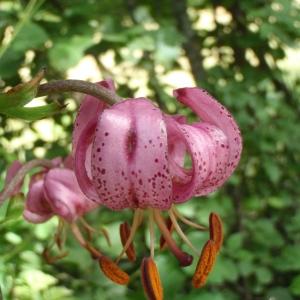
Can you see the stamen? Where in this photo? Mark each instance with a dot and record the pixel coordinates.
(60, 236)
(205, 264)
(162, 242)
(187, 221)
(52, 259)
(91, 229)
(152, 236)
(151, 280)
(112, 271)
(216, 230)
(181, 233)
(124, 234)
(184, 258)
(79, 237)
(137, 220)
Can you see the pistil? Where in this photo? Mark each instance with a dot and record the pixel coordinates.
(184, 258)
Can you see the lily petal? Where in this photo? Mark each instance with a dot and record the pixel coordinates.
(37, 209)
(212, 112)
(64, 195)
(199, 147)
(128, 136)
(89, 111)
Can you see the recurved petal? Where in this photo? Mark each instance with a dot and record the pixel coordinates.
(89, 111)
(37, 209)
(199, 146)
(212, 112)
(64, 195)
(218, 155)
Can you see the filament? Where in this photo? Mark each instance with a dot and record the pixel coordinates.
(91, 229)
(152, 236)
(79, 237)
(181, 233)
(187, 221)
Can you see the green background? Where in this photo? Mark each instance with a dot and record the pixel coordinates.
(242, 52)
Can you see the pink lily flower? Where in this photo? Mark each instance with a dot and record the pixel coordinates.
(131, 155)
(55, 193)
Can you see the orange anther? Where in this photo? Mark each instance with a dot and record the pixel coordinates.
(124, 234)
(151, 280)
(216, 230)
(112, 271)
(205, 264)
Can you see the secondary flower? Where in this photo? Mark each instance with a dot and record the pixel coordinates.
(54, 191)
(131, 155)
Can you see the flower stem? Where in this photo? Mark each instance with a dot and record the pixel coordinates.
(8, 190)
(72, 85)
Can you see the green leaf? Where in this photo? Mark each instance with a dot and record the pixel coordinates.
(25, 40)
(20, 94)
(67, 53)
(33, 113)
(295, 286)
(264, 275)
(279, 293)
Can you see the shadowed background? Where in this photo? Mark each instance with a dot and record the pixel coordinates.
(245, 53)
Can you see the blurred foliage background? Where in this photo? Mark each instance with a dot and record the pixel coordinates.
(244, 53)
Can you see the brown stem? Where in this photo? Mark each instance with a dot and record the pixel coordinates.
(72, 85)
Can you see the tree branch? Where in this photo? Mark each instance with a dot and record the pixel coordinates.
(191, 45)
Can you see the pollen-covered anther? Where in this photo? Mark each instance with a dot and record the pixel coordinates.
(124, 234)
(205, 264)
(112, 271)
(151, 279)
(162, 242)
(216, 230)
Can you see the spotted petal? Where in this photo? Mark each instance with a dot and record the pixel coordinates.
(130, 166)
(89, 111)
(212, 112)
